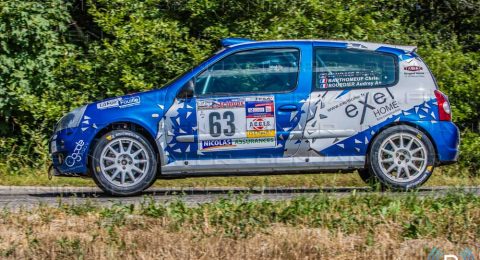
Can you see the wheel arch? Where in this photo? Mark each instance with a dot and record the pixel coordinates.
(408, 123)
(126, 125)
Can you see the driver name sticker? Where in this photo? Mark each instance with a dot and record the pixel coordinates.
(236, 123)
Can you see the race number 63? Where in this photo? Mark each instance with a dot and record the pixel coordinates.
(215, 123)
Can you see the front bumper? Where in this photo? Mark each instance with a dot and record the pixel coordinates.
(69, 152)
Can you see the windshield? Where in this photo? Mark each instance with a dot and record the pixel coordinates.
(191, 69)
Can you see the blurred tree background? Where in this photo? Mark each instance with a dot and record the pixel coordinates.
(56, 55)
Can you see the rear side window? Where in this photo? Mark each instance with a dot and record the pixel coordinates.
(253, 71)
(346, 68)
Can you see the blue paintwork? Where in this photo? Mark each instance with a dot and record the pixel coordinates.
(446, 138)
(233, 41)
(330, 44)
(154, 104)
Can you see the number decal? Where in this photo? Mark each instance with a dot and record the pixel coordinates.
(236, 123)
(230, 123)
(215, 127)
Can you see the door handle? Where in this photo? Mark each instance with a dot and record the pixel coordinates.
(288, 108)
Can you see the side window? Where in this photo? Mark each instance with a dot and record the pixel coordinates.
(254, 71)
(345, 68)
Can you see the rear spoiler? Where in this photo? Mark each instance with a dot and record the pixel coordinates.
(376, 46)
(406, 48)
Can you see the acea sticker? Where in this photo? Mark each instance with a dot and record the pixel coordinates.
(236, 123)
(120, 102)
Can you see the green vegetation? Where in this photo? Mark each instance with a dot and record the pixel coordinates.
(452, 215)
(360, 226)
(59, 54)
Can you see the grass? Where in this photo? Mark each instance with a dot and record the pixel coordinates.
(442, 176)
(358, 226)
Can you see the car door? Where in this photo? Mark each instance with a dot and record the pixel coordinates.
(247, 105)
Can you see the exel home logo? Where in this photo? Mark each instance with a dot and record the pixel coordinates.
(437, 254)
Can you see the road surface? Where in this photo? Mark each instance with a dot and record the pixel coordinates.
(16, 197)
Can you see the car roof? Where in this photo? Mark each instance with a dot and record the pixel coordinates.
(231, 42)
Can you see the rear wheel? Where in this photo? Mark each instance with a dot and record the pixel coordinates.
(402, 157)
(123, 163)
(366, 176)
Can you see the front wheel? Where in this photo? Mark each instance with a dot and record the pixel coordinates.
(402, 157)
(123, 163)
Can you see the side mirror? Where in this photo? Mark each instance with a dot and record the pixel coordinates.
(187, 90)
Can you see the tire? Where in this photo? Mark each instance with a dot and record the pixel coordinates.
(370, 179)
(402, 158)
(123, 163)
(367, 176)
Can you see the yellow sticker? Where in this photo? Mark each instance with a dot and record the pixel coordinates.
(109, 138)
(98, 169)
(419, 136)
(260, 133)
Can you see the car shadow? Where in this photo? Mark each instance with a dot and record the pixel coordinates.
(225, 191)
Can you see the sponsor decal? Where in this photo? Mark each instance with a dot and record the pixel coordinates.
(76, 156)
(259, 123)
(260, 98)
(215, 144)
(250, 141)
(261, 133)
(258, 109)
(120, 102)
(343, 103)
(412, 68)
(221, 103)
(380, 104)
(128, 102)
(108, 104)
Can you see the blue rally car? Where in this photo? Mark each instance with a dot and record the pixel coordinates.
(267, 107)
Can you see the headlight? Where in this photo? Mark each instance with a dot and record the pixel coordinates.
(71, 119)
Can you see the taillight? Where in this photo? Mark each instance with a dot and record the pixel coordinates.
(444, 111)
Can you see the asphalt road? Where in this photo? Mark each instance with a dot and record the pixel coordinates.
(14, 197)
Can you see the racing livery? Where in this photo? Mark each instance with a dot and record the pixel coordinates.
(264, 107)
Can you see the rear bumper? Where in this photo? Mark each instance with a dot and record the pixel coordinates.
(446, 138)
